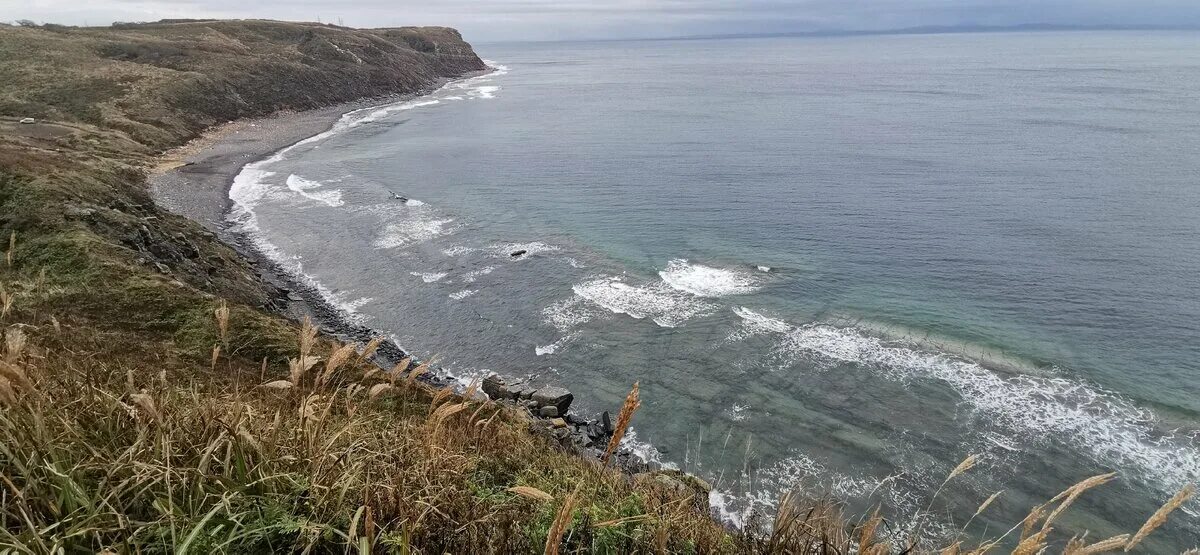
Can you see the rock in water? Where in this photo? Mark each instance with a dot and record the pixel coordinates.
(556, 397)
(518, 253)
(495, 387)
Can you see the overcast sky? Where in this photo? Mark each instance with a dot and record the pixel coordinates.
(500, 20)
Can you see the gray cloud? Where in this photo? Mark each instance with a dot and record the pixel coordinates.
(491, 20)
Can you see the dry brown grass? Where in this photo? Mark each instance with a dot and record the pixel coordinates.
(630, 406)
(362, 459)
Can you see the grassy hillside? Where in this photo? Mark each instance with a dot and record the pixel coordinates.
(152, 401)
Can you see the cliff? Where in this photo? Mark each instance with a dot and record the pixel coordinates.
(160, 84)
(108, 100)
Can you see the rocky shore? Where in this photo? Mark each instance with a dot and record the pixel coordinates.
(194, 181)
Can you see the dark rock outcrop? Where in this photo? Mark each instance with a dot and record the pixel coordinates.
(556, 397)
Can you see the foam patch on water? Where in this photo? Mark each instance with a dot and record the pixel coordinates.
(753, 323)
(376, 114)
(429, 277)
(473, 275)
(898, 492)
(705, 281)
(413, 202)
(1105, 426)
(569, 313)
(460, 295)
(457, 250)
(644, 451)
(506, 249)
(354, 305)
(413, 231)
(658, 302)
(478, 87)
(485, 91)
(556, 346)
(309, 189)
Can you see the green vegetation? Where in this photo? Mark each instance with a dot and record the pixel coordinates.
(151, 402)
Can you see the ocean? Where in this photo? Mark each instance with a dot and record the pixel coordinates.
(838, 263)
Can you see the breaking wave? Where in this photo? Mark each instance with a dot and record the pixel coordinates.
(705, 281)
(308, 189)
(1102, 424)
(554, 347)
(660, 303)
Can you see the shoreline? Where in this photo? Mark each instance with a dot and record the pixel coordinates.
(195, 180)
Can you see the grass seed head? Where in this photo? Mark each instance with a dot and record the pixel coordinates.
(630, 406)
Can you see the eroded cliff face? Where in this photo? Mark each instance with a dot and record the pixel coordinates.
(162, 83)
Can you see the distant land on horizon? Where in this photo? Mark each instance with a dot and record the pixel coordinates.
(915, 30)
(918, 30)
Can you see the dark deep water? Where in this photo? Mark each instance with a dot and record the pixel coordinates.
(983, 243)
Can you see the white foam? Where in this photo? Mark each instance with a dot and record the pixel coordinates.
(474, 87)
(722, 504)
(644, 450)
(429, 277)
(764, 268)
(353, 305)
(413, 202)
(460, 295)
(761, 323)
(485, 91)
(554, 347)
(737, 412)
(376, 114)
(306, 188)
(473, 275)
(250, 186)
(705, 281)
(568, 313)
(506, 249)
(457, 250)
(901, 492)
(416, 230)
(497, 67)
(1107, 427)
(663, 305)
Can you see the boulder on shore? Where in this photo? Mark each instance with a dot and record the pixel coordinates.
(522, 391)
(556, 397)
(495, 387)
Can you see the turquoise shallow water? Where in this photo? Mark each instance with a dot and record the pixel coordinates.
(843, 262)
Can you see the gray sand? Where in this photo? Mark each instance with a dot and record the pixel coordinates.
(199, 189)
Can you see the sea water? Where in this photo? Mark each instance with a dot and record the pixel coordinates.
(839, 263)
